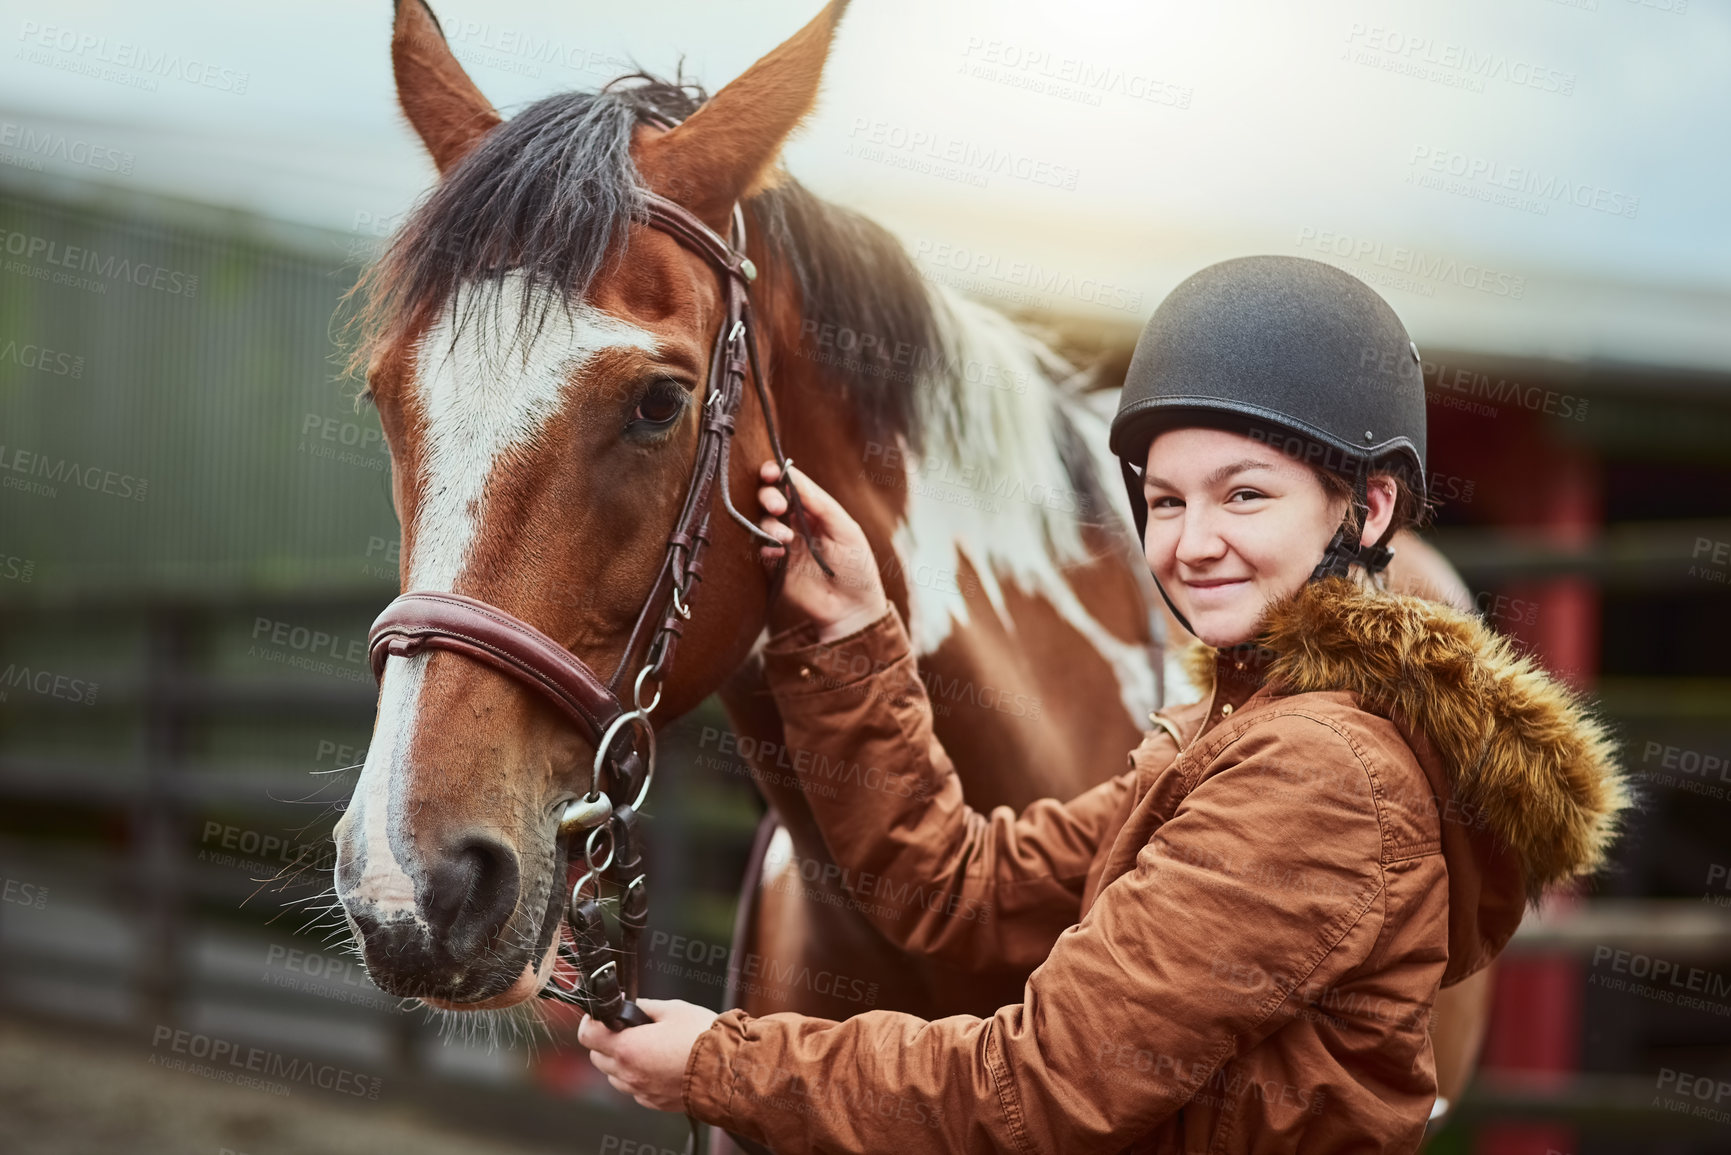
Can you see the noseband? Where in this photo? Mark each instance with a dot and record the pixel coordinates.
(622, 736)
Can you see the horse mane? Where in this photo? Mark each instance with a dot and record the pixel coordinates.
(552, 191)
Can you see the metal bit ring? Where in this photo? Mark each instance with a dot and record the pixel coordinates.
(596, 871)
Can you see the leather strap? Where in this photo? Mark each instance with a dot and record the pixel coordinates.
(660, 623)
(426, 620)
(689, 230)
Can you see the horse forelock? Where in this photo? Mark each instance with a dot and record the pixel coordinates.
(548, 193)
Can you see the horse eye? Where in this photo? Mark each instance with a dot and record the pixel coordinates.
(661, 404)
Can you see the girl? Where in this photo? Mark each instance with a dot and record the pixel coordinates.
(1239, 939)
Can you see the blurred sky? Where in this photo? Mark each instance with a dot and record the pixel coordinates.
(1524, 176)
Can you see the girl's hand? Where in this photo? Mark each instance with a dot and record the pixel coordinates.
(837, 606)
(648, 1062)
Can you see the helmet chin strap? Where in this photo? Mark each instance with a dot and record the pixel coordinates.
(1167, 598)
(1338, 557)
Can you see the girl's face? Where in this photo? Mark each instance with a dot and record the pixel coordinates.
(1234, 524)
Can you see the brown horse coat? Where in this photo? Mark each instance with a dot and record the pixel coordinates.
(1239, 939)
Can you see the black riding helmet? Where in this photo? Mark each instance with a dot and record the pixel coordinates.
(1287, 350)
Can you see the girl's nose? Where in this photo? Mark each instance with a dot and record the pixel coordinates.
(1198, 540)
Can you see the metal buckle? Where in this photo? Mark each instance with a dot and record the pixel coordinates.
(637, 689)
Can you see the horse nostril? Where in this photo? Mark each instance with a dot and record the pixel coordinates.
(471, 893)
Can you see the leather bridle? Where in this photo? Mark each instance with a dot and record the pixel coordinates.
(623, 737)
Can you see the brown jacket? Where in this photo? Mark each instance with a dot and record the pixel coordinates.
(1238, 940)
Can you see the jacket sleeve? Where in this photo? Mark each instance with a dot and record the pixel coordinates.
(1252, 892)
(933, 875)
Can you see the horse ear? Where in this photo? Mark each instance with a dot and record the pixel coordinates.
(726, 151)
(438, 97)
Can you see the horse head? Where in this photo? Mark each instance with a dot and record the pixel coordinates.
(539, 355)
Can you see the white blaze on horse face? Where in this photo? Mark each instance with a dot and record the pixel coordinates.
(383, 883)
(488, 385)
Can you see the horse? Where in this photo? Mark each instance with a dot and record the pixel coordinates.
(536, 352)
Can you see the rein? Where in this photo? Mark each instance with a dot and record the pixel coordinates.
(608, 978)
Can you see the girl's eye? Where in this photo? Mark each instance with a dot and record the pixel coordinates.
(1245, 494)
(660, 405)
(1165, 503)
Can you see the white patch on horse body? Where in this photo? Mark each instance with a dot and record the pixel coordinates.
(487, 388)
(1092, 411)
(777, 857)
(992, 488)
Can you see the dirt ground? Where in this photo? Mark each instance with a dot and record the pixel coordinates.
(66, 1094)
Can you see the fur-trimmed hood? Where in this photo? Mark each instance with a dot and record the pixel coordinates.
(1517, 746)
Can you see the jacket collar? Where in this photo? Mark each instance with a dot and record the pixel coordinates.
(1516, 744)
